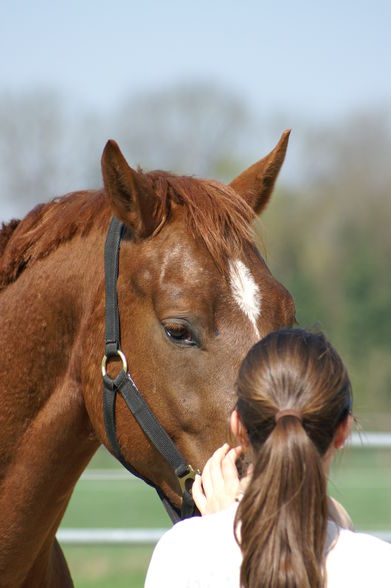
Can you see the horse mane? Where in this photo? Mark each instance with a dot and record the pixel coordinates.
(213, 212)
(46, 227)
(6, 231)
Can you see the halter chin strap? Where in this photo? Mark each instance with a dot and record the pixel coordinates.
(125, 386)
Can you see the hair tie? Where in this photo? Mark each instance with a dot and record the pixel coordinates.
(287, 412)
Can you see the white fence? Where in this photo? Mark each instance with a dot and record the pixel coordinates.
(119, 536)
(378, 440)
(137, 536)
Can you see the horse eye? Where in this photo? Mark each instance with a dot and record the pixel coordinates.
(179, 333)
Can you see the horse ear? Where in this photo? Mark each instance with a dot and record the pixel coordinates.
(256, 183)
(131, 199)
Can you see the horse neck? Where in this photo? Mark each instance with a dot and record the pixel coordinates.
(45, 433)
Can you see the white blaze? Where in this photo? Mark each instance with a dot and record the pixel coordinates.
(246, 292)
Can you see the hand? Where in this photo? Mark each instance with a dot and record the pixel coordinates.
(218, 486)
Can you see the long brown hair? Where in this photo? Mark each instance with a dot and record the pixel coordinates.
(281, 521)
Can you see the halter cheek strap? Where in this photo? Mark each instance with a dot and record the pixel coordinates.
(124, 385)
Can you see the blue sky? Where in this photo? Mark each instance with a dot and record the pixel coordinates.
(295, 64)
(310, 59)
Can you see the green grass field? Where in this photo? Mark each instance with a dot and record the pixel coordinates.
(361, 481)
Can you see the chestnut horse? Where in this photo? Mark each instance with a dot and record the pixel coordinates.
(194, 294)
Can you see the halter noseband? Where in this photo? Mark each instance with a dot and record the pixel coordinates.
(124, 384)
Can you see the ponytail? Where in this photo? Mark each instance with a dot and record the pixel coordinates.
(293, 392)
(281, 521)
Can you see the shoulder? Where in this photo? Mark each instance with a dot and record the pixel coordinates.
(363, 542)
(358, 559)
(200, 528)
(210, 537)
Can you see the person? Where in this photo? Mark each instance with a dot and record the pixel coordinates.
(275, 528)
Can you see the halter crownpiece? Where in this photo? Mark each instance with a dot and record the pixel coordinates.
(288, 412)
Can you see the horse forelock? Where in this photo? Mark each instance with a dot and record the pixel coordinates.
(46, 227)
(213, 212)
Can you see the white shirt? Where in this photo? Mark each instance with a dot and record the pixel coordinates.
(202, 553)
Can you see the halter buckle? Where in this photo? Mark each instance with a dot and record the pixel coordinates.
(189, 475)
(123, 359)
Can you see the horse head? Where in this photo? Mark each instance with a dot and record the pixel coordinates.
(194, 295)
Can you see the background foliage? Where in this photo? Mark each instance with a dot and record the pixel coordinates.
(331, 245)
(326, 230)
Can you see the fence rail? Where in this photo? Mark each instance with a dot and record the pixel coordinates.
(151, 536)
(370, 440)
(103, 536)
(137, 536)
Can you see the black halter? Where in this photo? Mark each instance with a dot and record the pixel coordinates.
(123, 383)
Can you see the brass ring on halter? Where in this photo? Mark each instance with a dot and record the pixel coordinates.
(123, 359)
(287, 412)
(189, 475)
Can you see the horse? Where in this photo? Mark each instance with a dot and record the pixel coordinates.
(194, 294)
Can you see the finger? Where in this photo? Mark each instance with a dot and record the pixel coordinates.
(212, 474)
(215, 464)
(232, 456)
(229, 470)
(198, 494)
(223, 478)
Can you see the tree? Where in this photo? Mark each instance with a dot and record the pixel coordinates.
(47, 149)
(192, 129)
(331, 245)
